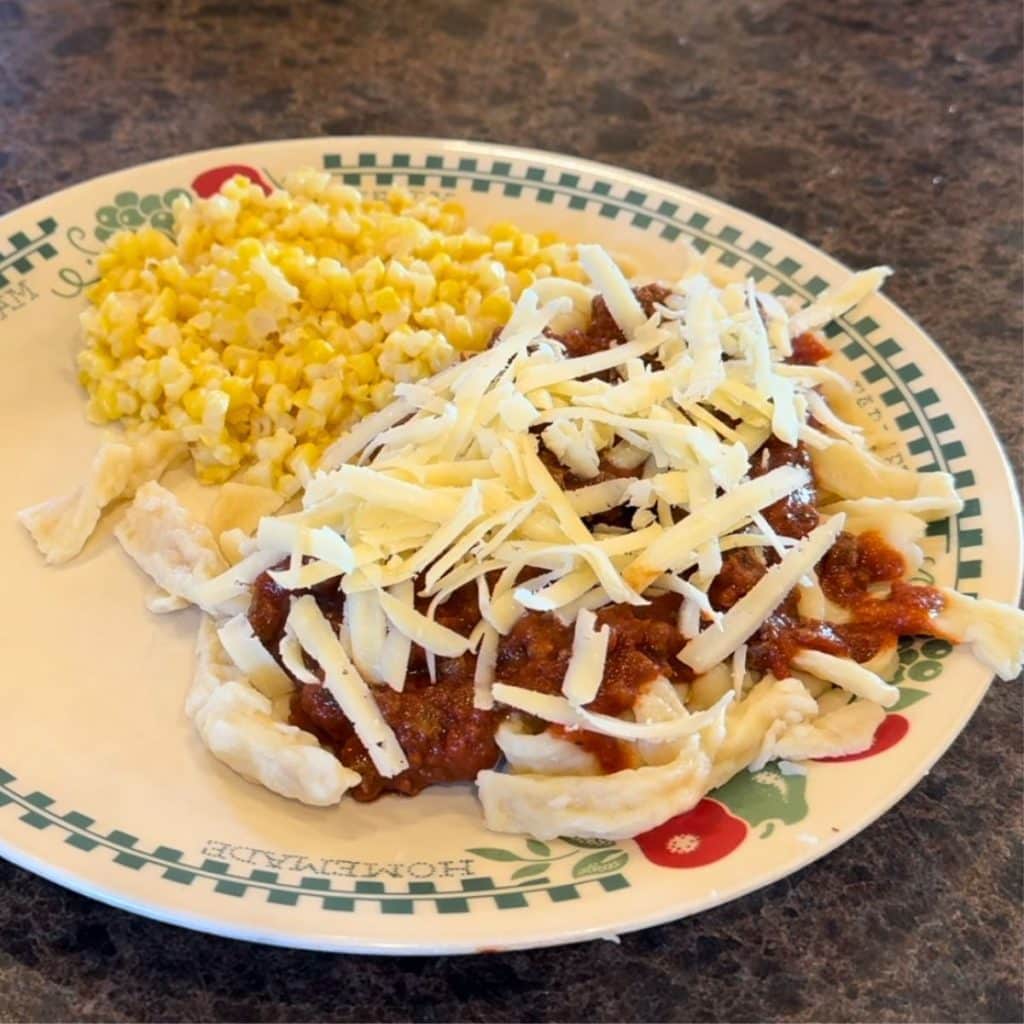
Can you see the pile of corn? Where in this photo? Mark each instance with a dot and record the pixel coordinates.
(269, 323)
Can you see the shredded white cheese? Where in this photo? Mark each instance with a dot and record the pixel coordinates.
(347, 687)
(740, 622)
(559, 711)
(717, 517)
(252, 658)
(586, 666)
(614, 288)
(420, 629)
(837, 301)
(843, 672)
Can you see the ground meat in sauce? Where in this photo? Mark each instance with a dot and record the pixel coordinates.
(741, 569)
(269, 606)
(620, 516)
(268, 610)
(877, 623)
(444, 737)
(795, 515)
(846, 575)
(853, 564)
(568, 481)
(642, 646)
(603, 332)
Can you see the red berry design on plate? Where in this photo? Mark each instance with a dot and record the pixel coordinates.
(209, 182)
(701, 836)
(888, 734)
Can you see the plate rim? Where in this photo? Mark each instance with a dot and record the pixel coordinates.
(335, 942)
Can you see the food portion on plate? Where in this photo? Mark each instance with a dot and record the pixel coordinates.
(632, 542)
(269, 322)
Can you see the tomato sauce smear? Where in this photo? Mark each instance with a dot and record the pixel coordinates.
(808, 350)
(848, 575)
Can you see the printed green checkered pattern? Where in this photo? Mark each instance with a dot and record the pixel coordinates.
(37, 811)
(25, 250)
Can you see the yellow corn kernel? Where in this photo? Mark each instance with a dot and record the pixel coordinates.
(440, 262)
(318, 292)
(503, 231)
(209, 374)
(266, 374)
(149, 382)
(278, 400)
(382, 392)
(248, 249)
(309, 421)
(365, 367)
(305, 455)
(190, 350)
(233, 354)
(483, 331)
(497, 306)
(194, 404)
(472, 245)
(252, 225)
(385, 300)
(397, 275)
(106, 400)
(357, 308)
(239, 391)
(370, 274)
(317, 350)
(490, 274)
(450, 291)
(289, 372)
(324, 394)
(339, 300)
(527, 245)
(525, 278)
(188, 306)
(460, 332)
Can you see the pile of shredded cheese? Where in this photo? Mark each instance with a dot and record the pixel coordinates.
(445, 488)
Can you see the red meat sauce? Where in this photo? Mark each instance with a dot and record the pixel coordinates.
(795, 515)
(847, 575)
(603, 332)
(446, 739)
(808, 350)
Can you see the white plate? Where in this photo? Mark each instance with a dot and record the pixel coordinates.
(105, 789)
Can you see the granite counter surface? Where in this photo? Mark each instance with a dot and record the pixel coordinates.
(880, 131)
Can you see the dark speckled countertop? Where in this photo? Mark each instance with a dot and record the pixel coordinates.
(880, 131)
